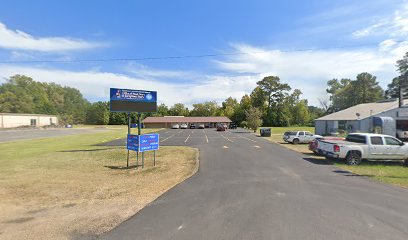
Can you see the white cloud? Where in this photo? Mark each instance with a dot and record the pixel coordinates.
(96, 84)
(19, 40)
(394, 26)
(143, 71)
(310, 70)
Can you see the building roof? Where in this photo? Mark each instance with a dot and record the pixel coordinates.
(27, 114)
(171, 119)
(364, 110)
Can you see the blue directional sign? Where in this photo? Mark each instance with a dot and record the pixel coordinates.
(143, 143)
(128, 100)
(132, 142)
(149, 142)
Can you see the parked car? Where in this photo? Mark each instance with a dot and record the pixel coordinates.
(183, 126)
(297, 137)
(201, 126)
(220, 127)
(314, 145)
(233, 126)
(175, 126)
(192, 126)
(369, 146)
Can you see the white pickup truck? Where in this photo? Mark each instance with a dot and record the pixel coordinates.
(297, 137)
(358, 146)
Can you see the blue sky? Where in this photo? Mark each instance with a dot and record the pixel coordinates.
(343, 38)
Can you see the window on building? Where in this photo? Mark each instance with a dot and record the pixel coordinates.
(342, 125)
(376, 141)
(33, 122)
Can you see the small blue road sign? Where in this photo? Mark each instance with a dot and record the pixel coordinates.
(149, 142)
(143, 143)
(132, 142)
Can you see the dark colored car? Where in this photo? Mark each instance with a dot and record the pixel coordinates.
(192, 126)
(220, 127)
(233, 126)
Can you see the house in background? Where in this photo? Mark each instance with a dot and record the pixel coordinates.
(14, 120)
(385, 117)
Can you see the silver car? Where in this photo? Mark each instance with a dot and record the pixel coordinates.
(175, 126)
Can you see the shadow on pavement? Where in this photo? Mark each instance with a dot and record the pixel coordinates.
(318, 161)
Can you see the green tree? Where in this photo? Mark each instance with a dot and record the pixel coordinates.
(253, 118)
(179, 109)
(98, 113)
(393, 88)
(205, 109)
(366, 89)
(229, 107)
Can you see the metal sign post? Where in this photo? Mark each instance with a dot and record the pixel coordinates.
(127, 161)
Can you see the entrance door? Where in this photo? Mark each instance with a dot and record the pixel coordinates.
(33, 122)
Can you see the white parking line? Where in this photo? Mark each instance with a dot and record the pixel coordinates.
(247, 138)
(206, 138)
(171, 136)
(224, 147)
(257, 146)
(187, 138)
(226, 138)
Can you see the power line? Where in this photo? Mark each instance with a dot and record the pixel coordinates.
(182, 56)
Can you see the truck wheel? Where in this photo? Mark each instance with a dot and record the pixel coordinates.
(296, 141)
(353, 158)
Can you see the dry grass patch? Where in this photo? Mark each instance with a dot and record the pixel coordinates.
(66, 187)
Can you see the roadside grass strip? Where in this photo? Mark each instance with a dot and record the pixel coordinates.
(387, 172)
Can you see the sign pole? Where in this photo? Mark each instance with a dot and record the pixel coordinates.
(142, 159)
(138, 133)
(154, 158)
(127, 161)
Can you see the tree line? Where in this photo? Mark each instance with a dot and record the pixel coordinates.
(345, 92)
(271, 102)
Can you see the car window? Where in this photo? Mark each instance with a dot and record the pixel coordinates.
(301, 133)
(356, 138)
(391, 141)
(309, 134)
(376, 141)
(290, 133)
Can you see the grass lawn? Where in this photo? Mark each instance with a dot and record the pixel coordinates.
(281, 130)
(64, 187)
(388, 172)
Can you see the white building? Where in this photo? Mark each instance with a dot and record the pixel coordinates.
(381, 117)
(12, 120)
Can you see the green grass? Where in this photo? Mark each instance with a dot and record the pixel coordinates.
(387, 172)
(392, 173)
(281, 130)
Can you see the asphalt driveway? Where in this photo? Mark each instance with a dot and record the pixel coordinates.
(250, 188)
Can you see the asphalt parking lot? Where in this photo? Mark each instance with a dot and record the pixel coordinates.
(250, 188)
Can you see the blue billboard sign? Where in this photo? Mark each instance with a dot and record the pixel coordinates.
(143, 143)
(128, 100)
(132, 95)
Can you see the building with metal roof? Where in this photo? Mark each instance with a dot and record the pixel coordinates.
(168, 121)
(380, 117)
